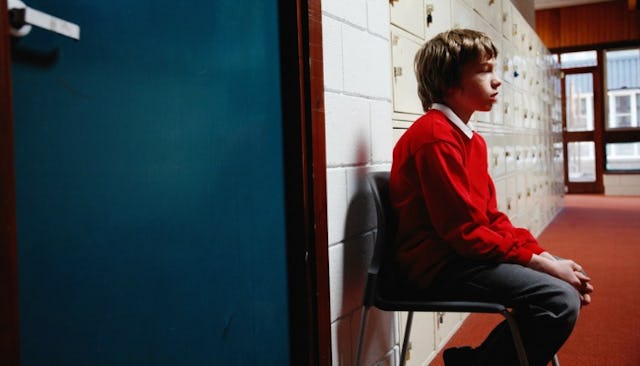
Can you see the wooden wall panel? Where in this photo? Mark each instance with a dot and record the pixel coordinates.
(588, 25)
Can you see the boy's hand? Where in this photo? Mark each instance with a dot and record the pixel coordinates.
(566, 270)
(585, 289)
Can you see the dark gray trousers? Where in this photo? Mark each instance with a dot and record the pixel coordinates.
(546, 308)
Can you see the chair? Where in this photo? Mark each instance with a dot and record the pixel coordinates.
(374, 295)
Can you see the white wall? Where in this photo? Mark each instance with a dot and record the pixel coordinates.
(358, 133)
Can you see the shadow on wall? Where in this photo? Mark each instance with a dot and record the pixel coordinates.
(359, 233)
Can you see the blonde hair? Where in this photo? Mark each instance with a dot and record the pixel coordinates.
(439, 62)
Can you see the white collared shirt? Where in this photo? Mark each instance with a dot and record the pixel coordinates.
(466, 128)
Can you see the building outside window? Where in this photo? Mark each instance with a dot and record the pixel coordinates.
(623, 106)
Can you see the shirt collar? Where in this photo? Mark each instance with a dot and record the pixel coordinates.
(466, 128)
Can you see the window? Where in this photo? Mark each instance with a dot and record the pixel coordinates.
(623, 109)
(579, 102)
(623, 88)
(578, 59)
(623, 156)
(581, 161)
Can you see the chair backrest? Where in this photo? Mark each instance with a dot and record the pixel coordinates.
(379, 272)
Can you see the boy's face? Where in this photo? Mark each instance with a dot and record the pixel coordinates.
(478, 89)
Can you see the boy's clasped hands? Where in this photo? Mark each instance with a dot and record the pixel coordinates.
(566, 270)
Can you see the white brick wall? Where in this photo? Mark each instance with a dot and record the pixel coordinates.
(359, 139)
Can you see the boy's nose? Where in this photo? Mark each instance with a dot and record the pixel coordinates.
(496, 82)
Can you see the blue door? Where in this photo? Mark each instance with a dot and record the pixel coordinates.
(149, 174)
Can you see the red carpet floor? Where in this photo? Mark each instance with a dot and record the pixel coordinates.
(603, 235)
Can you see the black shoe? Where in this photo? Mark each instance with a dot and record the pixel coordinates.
(462, 356)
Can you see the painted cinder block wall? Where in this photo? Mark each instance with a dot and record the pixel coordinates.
(358, 98)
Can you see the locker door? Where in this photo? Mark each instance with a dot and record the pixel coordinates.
(511, 197)
(507, 104)
(501, 194)
(437, 17)
(507, 22)
(507, 69)
(490, 11)
(498, 161)
(408, 15)
(405, 86)
(422, 338)
(461, 14)
(446, 324)
(149, 177)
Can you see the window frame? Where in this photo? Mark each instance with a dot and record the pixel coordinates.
(608, 135)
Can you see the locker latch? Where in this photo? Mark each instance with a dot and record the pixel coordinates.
(429, 16)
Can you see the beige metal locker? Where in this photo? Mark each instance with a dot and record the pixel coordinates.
(446, 324)
(498, 161)
(509, 155)
(408, 15)
(501, 193)
(437, 17)
(397, 132)
(506, 97)
(491, 11)
(422, 344)
(511, 199)
(405, 86)
(461, 14)
(507, 20)
(507, 65)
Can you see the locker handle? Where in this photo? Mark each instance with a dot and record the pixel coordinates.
(22, 17)
(429, 10)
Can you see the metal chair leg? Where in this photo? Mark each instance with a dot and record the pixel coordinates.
(405, 342)
(517, 340)
(363, 323)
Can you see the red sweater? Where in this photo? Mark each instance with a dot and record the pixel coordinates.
(445, 202)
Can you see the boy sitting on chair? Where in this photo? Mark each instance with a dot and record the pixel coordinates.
(452, 242)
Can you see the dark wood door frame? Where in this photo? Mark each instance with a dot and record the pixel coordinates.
(596, 186)
(305, 182)
(305, 186)
(9, 329)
